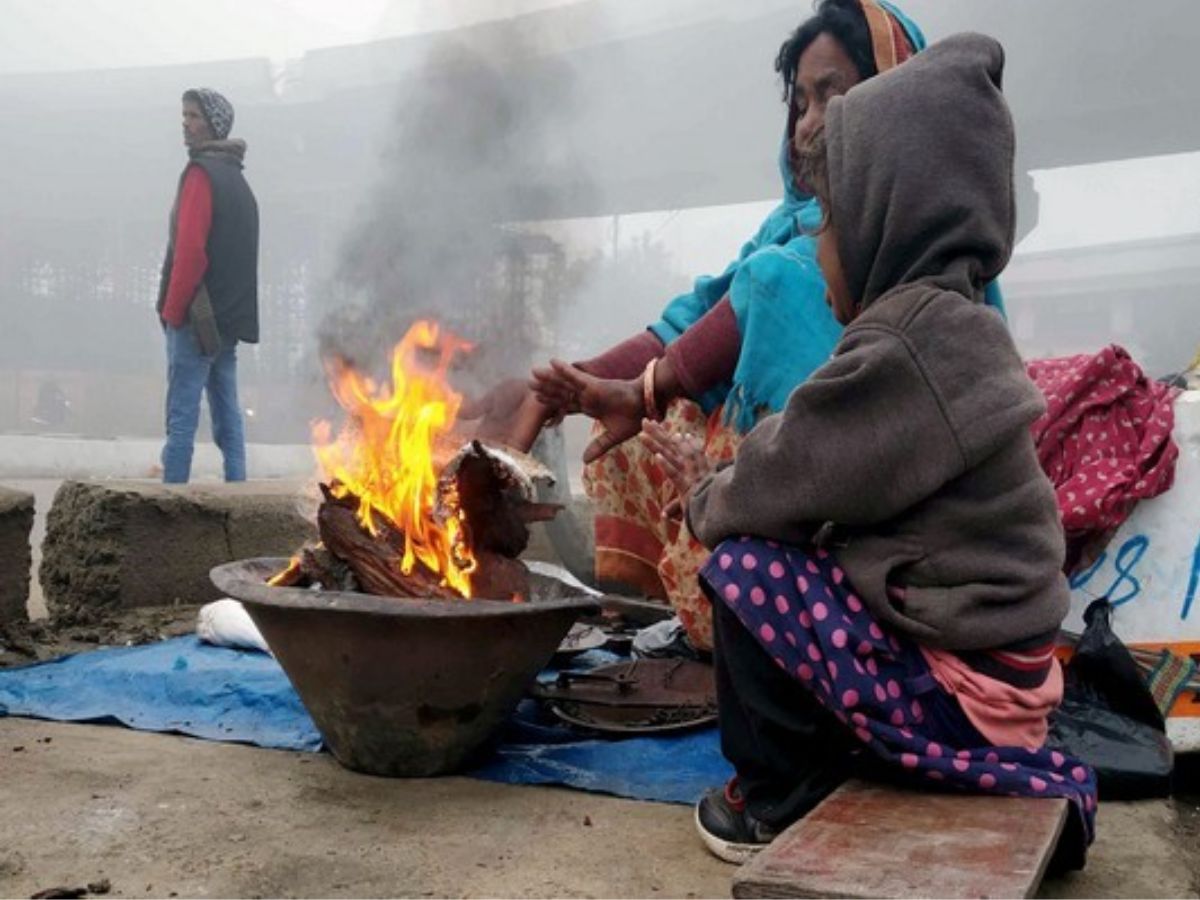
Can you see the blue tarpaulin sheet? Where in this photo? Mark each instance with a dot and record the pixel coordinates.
(185, 686)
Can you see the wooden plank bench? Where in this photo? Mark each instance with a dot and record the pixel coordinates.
(868, 840)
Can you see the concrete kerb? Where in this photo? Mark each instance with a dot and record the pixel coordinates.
(126, 544)
(28, 456)
(16, 524)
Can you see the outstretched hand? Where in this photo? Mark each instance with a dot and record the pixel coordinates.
(509, 414)
(615, 404)
(682, 459)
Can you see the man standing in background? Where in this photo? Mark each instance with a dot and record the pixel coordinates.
(208, 296)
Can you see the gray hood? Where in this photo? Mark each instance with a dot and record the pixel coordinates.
(921, 186)
(231, 148)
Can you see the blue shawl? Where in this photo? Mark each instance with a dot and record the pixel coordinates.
(778, 296)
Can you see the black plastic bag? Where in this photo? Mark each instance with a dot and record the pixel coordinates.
(1108, 717)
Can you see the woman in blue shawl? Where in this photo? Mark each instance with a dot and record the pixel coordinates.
(722, 355)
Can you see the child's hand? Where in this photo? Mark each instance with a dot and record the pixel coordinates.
(682, 460)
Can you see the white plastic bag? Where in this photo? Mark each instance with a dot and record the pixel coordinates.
(225, 623)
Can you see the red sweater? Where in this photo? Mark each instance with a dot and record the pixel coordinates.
(704, 355)
(193, 218)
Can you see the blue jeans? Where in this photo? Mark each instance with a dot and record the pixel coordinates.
(189, 374)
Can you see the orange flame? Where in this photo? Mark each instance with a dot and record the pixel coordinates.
(384, 454)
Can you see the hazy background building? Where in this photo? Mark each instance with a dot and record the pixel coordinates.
(542, 181)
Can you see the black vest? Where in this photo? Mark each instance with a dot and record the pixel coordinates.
(232, 275)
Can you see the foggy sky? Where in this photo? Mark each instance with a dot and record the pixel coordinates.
(382, 179)
(70, 35)
(64, 35)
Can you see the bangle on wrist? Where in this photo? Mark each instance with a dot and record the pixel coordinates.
(650, 406)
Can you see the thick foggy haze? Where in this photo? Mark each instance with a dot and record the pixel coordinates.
(480, 137)
(543, 183)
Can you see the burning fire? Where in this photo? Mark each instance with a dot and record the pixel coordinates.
(384, 454)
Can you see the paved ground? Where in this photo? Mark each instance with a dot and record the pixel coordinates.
(160, 815)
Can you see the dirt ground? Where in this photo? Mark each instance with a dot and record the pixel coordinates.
(160, 815)
(42, 639)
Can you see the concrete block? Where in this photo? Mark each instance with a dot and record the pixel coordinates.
(16, 523)
(126, 544)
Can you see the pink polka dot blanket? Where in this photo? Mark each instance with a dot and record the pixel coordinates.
(1105, 438)
(806, 616)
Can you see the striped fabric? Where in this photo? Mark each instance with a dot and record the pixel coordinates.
(889, 44)
(1023, 665)
(1169, 679)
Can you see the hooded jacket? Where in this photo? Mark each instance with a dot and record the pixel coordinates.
(913, 441)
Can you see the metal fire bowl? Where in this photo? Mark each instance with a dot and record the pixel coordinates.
(404, 687)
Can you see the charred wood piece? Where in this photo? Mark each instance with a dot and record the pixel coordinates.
(495, 497)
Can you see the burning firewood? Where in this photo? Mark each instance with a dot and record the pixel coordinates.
(323, 568)
(316, 565)
(495, 497)
(485, 487)
(497, 577)
(376, 561)
(407, 513)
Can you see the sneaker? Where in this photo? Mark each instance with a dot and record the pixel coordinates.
(727, 829)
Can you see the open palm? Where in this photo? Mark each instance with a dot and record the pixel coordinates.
(615, 404)
(682, 459)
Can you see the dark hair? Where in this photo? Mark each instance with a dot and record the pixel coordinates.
(845, 22)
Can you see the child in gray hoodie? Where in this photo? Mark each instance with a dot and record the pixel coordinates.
(886, 573)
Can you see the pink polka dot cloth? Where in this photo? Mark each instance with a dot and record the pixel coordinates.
(1105, 438)
(804, 613)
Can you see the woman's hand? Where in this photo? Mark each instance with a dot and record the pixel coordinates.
(509, 414)
(682, 460)
(617, 405)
